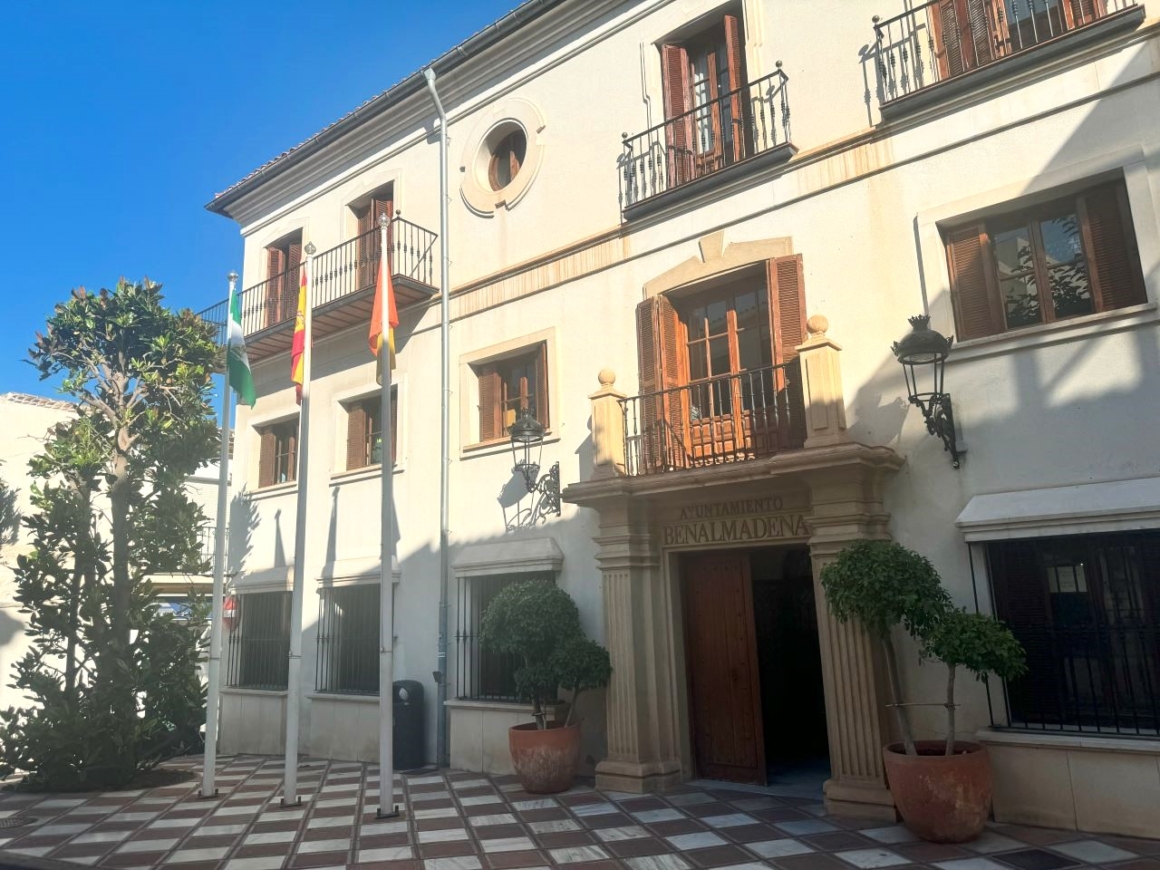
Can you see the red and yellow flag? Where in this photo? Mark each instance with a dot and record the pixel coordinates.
(298, 343)
(384, 288)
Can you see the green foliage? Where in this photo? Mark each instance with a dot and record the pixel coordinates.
(113, 681)
(529, 619)
(882, 584)
(581, 664)
(538, 623)
(9, 515)
(977, 642)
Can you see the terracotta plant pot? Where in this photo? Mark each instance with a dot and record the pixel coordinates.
(545, 760)
(943, 799)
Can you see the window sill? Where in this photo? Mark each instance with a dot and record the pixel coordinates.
(366, 473)
(274, 491)
(1082, 742)
(1054, 333)
(497, 706)
(498, 445)
(262, 693)
(340, 698)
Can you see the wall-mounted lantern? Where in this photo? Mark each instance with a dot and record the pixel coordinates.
(923, 355)
(527, 434)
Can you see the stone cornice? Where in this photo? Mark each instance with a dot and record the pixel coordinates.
(404, 115)
(790, 465)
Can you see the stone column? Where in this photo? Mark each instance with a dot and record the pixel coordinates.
(846, 506)
(643, 743)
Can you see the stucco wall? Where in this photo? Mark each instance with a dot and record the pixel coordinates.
(1051, 407)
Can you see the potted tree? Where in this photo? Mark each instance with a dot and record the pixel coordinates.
(942, 789)
(538, 624)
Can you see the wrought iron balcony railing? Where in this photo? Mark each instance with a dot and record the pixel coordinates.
(343, 271)
(730, 418)
(738, 125)
(944, 39)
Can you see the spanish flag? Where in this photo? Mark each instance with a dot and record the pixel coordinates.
(298, 343)
(383, 288)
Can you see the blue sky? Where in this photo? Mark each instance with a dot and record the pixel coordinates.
(122, 119)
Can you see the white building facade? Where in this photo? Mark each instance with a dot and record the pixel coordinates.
(648, 202)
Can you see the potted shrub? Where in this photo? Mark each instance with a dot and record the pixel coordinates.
(942, 789)
(538, 623)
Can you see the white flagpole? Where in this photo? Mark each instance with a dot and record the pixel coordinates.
(213, 690)
(294, 675)
(386, 556)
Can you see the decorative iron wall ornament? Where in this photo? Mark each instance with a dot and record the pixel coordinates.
(923, 353)
(527, 435)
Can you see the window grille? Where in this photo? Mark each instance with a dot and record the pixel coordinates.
(1087, 610)
(258, 647)
(348, 640)
(484, 675)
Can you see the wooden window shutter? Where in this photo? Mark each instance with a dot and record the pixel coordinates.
(785, 279)
(662, 424)
(542, 386)
(948, 39)
(987, 30)
(275, 262)
(291, 281)
(735, 51)
(1114, 262)
(678, 134)
(356, 437)
(973, 291)
(1086, 11)
(267, 445)
(490, 412)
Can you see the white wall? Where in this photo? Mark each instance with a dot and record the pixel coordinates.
(863, 214)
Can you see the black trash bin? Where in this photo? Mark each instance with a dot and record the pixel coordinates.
(408, 736)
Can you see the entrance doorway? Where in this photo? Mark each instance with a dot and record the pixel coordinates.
(756, 701)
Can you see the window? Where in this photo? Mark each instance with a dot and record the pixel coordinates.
(972, 33)
(1087, 610)
(717, 380)
(506, 159)
(1074, 256)
(278, 453)
(258, 645)
(282, 279)
(370, 242)
(510, 387)
(704, 103)
(348, 640)
(484, 675)
(364, 431)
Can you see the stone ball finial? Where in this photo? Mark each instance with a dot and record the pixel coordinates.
(817, 325)
(607, 377)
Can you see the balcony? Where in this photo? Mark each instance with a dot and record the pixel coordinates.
(728, 135)
(341, 288)
(922, 51)
(731, 418)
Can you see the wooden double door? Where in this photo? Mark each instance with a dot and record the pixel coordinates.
(722, 666)
(752, 662)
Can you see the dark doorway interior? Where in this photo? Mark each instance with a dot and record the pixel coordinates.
(792, 698)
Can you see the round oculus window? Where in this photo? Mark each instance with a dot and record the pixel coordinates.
(507, 156)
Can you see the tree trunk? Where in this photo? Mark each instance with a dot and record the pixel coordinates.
(950, 710)
(119, 492)
(896, 697)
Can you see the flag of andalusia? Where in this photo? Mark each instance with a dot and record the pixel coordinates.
(237, 361)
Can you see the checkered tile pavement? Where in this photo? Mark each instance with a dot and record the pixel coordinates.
(466, 821)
